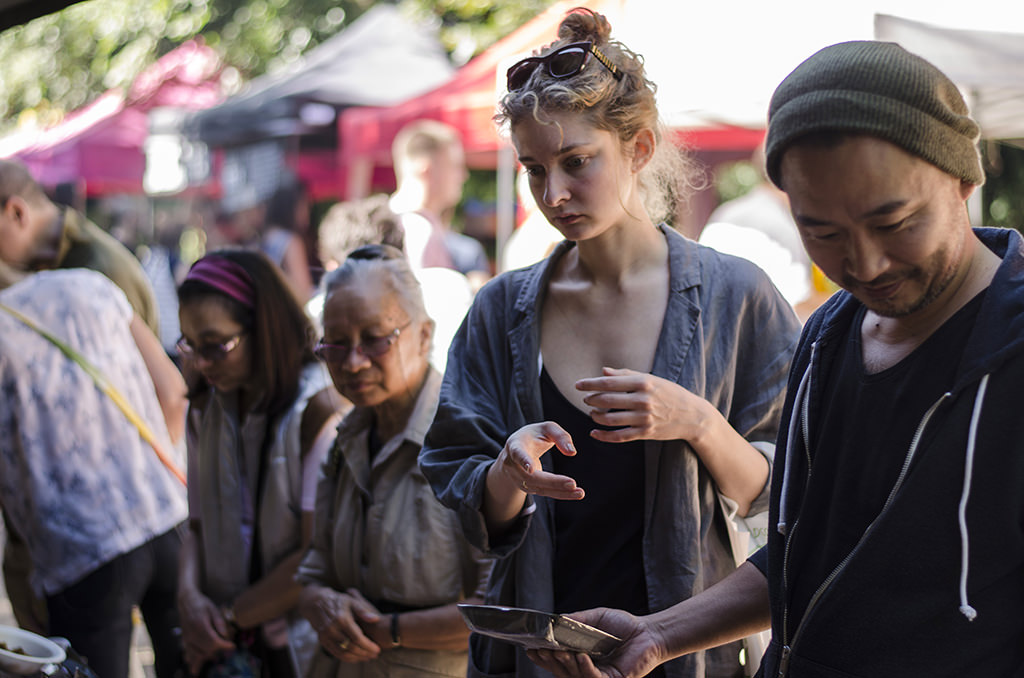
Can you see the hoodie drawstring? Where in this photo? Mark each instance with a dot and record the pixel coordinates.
(972, 435)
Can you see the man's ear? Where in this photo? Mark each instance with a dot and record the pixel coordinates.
(16, 212)
(966, 190)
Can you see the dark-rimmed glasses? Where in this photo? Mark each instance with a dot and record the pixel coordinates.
(374, 347)
(564, 62)
(211, 352)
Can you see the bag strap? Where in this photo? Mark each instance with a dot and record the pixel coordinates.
(106, 387)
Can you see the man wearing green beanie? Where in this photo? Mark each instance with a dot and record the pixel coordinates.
(896, 545)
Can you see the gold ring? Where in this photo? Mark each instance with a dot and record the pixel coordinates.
(525, 488)
(343, 645)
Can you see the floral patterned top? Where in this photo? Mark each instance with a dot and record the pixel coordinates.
(77, 481)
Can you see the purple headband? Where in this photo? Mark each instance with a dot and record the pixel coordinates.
(226, 277)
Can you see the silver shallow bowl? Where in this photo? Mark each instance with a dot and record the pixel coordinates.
(533, 629)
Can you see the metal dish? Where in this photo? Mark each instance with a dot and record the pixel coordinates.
(38, 651)
(533, 629)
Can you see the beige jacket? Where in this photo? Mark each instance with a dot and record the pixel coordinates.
(379, 529)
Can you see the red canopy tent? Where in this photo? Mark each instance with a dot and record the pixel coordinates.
(468, 101)
(101, 145)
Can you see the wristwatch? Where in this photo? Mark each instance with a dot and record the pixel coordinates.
(396, 637)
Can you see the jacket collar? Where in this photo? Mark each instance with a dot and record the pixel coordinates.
(678, 325)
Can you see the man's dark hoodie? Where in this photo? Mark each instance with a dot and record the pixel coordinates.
(925, 592)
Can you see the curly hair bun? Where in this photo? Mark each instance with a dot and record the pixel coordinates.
(582, 24)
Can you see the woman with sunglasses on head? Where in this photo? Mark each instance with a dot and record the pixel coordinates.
(261, 419)
(602, 409)
(388, 562)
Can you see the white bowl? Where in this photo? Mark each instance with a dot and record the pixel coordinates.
(39, 651)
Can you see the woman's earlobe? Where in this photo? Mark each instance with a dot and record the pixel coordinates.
(426, 336)
(643, 148)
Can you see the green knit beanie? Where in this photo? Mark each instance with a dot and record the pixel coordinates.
(878, 89)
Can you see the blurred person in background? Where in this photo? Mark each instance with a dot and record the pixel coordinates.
(87, 494)
(38, 234)
(287, 236)
(758, 226)
(242, 222)
(261, 418)
(35, 234)
(605, 412)
(388, 562)
(430, 168)
(347, 226)
(161, 261)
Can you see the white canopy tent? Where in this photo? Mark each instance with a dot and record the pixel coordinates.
(720, 61)
(987, 66)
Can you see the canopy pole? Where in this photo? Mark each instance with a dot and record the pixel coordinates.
(506, 207)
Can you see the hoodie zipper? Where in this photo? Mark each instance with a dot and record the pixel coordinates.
(805, 437)
(787, 643)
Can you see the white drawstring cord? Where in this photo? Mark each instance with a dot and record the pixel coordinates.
(972, 434)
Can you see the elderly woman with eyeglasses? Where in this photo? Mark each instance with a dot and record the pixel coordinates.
(261, 419)
(605, 410)
(388, 563)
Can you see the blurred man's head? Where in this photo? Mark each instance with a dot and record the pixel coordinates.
(877, 153)
(28, 218)
(349, 225)
(428, 158)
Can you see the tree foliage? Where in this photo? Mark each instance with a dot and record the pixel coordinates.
(59, 62)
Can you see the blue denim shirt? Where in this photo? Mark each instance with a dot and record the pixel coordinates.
(727, 336)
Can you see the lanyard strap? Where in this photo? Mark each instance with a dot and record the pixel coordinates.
(104, 385)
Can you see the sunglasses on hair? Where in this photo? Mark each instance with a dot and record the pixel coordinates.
(564, 62)
(210, 352)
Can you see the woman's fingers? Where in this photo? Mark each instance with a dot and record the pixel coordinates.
(551, 485)
(525, 447)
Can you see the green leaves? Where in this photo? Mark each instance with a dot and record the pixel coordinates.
(62, 61)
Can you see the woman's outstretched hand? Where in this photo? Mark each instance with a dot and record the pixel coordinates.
(640, 652)
(519, 461)
(517, 473)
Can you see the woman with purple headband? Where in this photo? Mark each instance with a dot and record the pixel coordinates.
(261, 418)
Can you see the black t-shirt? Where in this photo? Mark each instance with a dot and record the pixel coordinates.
(866, 427)
(599, 539)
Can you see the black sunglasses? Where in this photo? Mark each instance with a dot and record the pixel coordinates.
(564, 62)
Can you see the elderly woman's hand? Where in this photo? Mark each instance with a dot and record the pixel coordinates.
(339, 619)
(204, 631)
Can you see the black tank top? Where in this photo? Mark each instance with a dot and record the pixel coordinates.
(599, 539)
